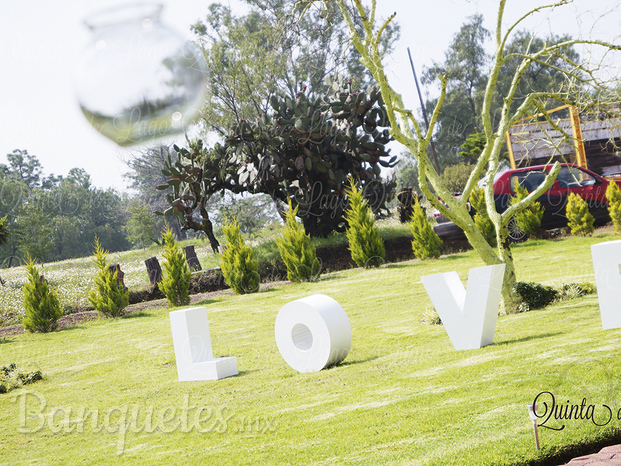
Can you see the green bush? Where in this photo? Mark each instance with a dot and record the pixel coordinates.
(481, 218)
(176, 274)
(579, 219)
(40, 303)
(613, 194)
(528, 219)
(426, 243)
(296, 250)
(110, 297)
(456, 176)
(239, 267)
(365, 243)
(11, 378)
(535, 295)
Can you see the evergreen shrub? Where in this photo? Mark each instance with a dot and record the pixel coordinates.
(110, 297)
(365, 243)
(481, 218)
(579, 219)
(528, 219)
(613, 194)
(176, 274)
(237, 262)
(426, 243)
(40, 303)
(296, 250)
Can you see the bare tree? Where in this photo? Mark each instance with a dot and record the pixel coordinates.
(581, 88)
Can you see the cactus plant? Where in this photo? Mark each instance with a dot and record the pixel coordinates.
(303, 152)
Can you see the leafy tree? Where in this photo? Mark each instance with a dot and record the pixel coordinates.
(40, 303)
(456, 176)
(141, 225)
(365, 243)
(271, 52)
(493, 122)
(176, 275)
(297, 251)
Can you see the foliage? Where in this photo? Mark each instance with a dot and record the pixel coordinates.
(239, 267)
(297, 251)
(535, 295)
(575, 290)
(176, 274)
(528, 219)
(579, 219)
(110, 296)
(268, 52)
(40, 303)
(365, 243)
(473, 146)
(456, 176)
(141, 225)
(56, 217)
(11, 378)
(303, 151)
(613, 194)
(495, 105)
(426, 242)
(481, 218)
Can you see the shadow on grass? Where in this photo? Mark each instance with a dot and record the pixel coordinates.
(531, 337)
(565, 454)
(138, 314)
(204, 302)
(351, 363)
(71, 328)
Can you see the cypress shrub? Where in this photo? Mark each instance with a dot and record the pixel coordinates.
(579, 219)
(613, 194)
(239, 267)
(481, 218)
(176, 274)
(40, 303)
(535, 295)
(110, 297)
(426, 242)
(365, 243)
(296, 250)
(529, 219)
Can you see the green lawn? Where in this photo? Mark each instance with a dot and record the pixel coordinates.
(402, 396)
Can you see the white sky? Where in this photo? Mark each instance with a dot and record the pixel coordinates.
(41, 41)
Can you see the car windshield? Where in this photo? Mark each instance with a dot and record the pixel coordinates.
(530, 180)
(570, 177)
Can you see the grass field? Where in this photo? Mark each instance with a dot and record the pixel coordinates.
(402, 396)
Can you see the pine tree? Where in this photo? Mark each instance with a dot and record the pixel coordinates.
(579, 219)
(613, 194)
(426, 242)
(365, 243)
(110, 297)
(40, 303)
(529, 219)
(237, 262)
(296, 250)
(176, 274)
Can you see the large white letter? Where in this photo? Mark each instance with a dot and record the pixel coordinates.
(313, 333)
(606, 262)
(469, 317)
(192, 342)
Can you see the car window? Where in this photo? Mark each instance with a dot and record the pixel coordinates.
(569, 177)
(530, 180)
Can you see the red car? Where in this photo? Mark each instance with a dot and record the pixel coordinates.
(571, 179)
